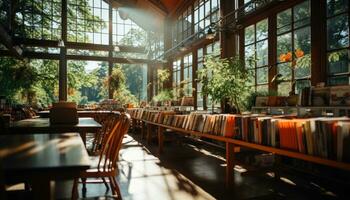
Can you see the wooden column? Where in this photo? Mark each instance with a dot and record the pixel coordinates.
(272, 49)
(227, 39)
(63, 59)
(318, 42)
(110, 53)
(160, 139)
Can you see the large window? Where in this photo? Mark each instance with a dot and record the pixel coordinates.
(125, 31)
(293, 48)
(39, 19)
(200, 55)
(212, 49)
(176, 75)
(188, 74)
(338, 42)
(204, 13)
(256, 50)
(91, 25)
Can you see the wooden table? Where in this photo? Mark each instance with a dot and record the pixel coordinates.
(81, 113)
(41, 158)
(42, 125)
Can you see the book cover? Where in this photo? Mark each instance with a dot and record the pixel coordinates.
(340, 96)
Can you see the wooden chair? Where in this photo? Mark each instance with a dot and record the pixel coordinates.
(107, 121)
(107, 162)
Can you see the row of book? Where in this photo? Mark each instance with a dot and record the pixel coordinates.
(310, 96)
(324, 136)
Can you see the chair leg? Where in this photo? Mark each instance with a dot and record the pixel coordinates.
(75, 194)
(117, 188)
(83, 180)
(106, 184)
(112, 185)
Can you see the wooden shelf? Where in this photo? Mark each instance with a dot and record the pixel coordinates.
(302, 107)
(232, 143)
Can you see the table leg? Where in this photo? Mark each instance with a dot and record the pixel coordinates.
(276, 167)
(149, 135)
(160, 139)
(230, 156)
(134, 124)
(142, 129)
(83, 137)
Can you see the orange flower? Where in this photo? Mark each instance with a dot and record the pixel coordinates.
(288, 57)
(283, 57)
(299, 53)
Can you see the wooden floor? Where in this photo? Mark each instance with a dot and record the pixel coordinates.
(190, 170)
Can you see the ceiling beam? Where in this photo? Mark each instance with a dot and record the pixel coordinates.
(159, 5)
(77, 45)
(7, 41)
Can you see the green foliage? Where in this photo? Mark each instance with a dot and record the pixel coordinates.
(135, 74)
(15, 75)
(304, 61)
(225, 78)
(124, 96)
(135, 37)
(117, 79)
(163, 75)
(164, 95)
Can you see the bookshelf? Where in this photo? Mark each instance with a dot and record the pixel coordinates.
(231, 144)
(302, 110)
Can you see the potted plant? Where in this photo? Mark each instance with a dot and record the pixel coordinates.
(226, 79)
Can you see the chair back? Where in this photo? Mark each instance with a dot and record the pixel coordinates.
(107, 121)
(110, 149)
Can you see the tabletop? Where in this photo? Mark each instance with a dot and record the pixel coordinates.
(54, 154)
(81, 113)
(42, 125)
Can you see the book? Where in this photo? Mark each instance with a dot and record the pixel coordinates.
(261, 101)
(320, 96)
(340, 96)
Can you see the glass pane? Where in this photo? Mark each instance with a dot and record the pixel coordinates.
(338, 32)
(262, 30)
(251, 80)
(339, 80)
(284, 88)
(299, 85)
(338, 62)
(249, 35)
(302, 14)
(284, 48)
(302, 49)
(284, 20)
(248, 5)
(262, 88)
(262, 75)
(302, 72)
(302, 41)
(336, 6)
(249, 54)
(262, 53)
(285, 70)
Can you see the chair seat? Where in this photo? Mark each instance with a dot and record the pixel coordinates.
(96, 171)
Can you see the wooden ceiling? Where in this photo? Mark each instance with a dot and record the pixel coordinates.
(149, 14)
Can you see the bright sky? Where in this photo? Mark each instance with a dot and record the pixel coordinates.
(91, 65)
